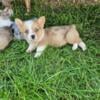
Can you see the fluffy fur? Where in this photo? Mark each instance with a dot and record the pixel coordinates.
(5, 37)
(38, 37)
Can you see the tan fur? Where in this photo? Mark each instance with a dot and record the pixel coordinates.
(21, 25)
(5, 37)
(58, 36)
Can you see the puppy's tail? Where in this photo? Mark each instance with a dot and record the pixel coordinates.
(82, 45)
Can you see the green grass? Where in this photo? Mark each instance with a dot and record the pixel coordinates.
(60, 73)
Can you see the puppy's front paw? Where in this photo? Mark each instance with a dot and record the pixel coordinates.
(37, 55)
(75, 46)
(28, 50)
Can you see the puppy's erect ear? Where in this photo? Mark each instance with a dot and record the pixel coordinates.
(20, 24)
(41, 21)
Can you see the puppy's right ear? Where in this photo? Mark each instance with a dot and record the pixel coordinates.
(20, 24)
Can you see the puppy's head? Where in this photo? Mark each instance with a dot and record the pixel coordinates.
(33, 30)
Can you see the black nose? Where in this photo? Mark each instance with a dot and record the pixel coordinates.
(32, 36)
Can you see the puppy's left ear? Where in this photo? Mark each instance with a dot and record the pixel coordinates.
(20, 24)
(41, 21)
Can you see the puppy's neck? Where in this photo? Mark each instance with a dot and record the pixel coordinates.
(44, 38)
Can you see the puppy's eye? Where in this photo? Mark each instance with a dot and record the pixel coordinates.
(12, 30)
(26, 31)
(36, 29)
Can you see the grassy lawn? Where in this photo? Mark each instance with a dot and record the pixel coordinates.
(60, 73)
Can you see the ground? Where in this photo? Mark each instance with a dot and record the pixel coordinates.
(60, 73)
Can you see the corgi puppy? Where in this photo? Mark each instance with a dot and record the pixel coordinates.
(39, 37)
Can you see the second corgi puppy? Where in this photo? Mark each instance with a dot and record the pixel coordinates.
(39, 37)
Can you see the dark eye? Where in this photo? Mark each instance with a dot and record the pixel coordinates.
(26, 31)
(13, 30)
(36, 29)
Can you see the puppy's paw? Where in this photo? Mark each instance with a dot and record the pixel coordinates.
(75, 46)
(28, 50)
(83, 46)
(37, 55)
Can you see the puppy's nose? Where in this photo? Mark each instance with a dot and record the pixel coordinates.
(32, 36)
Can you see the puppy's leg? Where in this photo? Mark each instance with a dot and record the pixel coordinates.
(28, 5)
(82, 45)
(30, 48)
(39, 51)
(75, 46)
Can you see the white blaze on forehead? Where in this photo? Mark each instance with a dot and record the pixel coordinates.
(29, 25)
